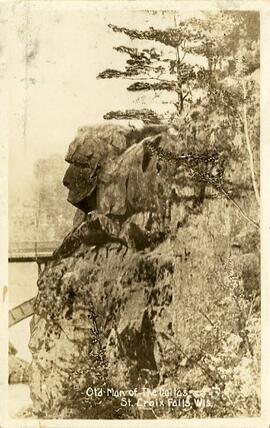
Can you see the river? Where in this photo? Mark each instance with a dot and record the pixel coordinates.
(22, 286)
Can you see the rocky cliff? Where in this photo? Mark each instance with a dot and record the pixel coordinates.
(137, 292)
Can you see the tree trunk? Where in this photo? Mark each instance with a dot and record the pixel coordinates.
(179, 82)
(251, 160)
(180, 95)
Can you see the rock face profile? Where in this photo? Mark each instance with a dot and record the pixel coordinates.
(125, 300)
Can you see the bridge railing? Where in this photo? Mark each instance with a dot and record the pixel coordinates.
(33, 246)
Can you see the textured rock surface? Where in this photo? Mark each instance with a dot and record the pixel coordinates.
(145, 307)
(18, 368)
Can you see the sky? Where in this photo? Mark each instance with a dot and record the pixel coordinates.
(55, 57)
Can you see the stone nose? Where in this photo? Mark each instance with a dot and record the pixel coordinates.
(66, 179)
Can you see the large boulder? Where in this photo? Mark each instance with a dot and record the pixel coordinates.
(92, 156)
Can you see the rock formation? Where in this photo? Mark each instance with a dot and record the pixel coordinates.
(121, 304)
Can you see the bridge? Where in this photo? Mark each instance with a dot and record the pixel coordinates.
(32, 251)
(28, 252)
(21, 312)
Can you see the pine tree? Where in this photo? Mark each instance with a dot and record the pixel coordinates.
(162, 67)
(155, 70)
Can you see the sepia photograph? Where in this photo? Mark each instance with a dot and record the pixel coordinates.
(134, 211)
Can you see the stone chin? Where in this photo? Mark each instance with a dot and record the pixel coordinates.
(81, 183)
(85, 203)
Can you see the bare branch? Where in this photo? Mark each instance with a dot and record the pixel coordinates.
(251, 161)
(239, 208)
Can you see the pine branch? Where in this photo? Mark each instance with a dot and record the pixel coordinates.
(116, 74)
(148, 55)
(146, 115)
(162, 85)
(170, 37)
